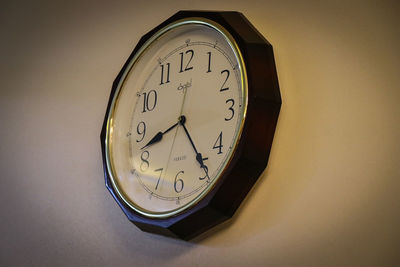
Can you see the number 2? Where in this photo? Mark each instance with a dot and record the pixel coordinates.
(223, 88)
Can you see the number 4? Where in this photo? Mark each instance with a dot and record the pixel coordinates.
(218, 144)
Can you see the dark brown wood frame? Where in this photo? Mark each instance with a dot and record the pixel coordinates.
(251, 155)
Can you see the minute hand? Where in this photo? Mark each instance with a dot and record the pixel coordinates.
(199, 157)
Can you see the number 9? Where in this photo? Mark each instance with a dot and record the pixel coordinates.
(141, 130)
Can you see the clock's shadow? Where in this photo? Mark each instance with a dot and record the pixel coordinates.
(264, 207)
(226, 226)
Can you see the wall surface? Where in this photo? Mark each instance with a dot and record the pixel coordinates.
(330, 195)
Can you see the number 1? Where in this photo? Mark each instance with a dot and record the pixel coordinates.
(209, 62)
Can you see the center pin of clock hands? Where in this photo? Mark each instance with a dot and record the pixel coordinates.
(199, 157)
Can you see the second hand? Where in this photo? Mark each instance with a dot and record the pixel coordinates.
(176, 132)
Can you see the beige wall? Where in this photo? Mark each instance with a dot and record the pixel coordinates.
(329, 196)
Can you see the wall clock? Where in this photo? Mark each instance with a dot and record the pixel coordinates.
(190, 122)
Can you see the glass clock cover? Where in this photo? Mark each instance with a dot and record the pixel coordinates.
(176, 117)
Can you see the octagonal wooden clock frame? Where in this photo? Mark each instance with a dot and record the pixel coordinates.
(251, 155)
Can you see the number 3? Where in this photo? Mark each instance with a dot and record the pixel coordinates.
(230, 108)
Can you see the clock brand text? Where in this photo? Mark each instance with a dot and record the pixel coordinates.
(179, 158)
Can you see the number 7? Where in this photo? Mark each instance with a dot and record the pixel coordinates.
(158, 181)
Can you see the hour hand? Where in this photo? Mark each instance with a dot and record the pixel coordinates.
(157, 138)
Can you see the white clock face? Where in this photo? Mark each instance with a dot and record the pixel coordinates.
(176, 118)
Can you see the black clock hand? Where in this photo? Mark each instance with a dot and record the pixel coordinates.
(199, 157)
(157, 138)
(182, 120)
